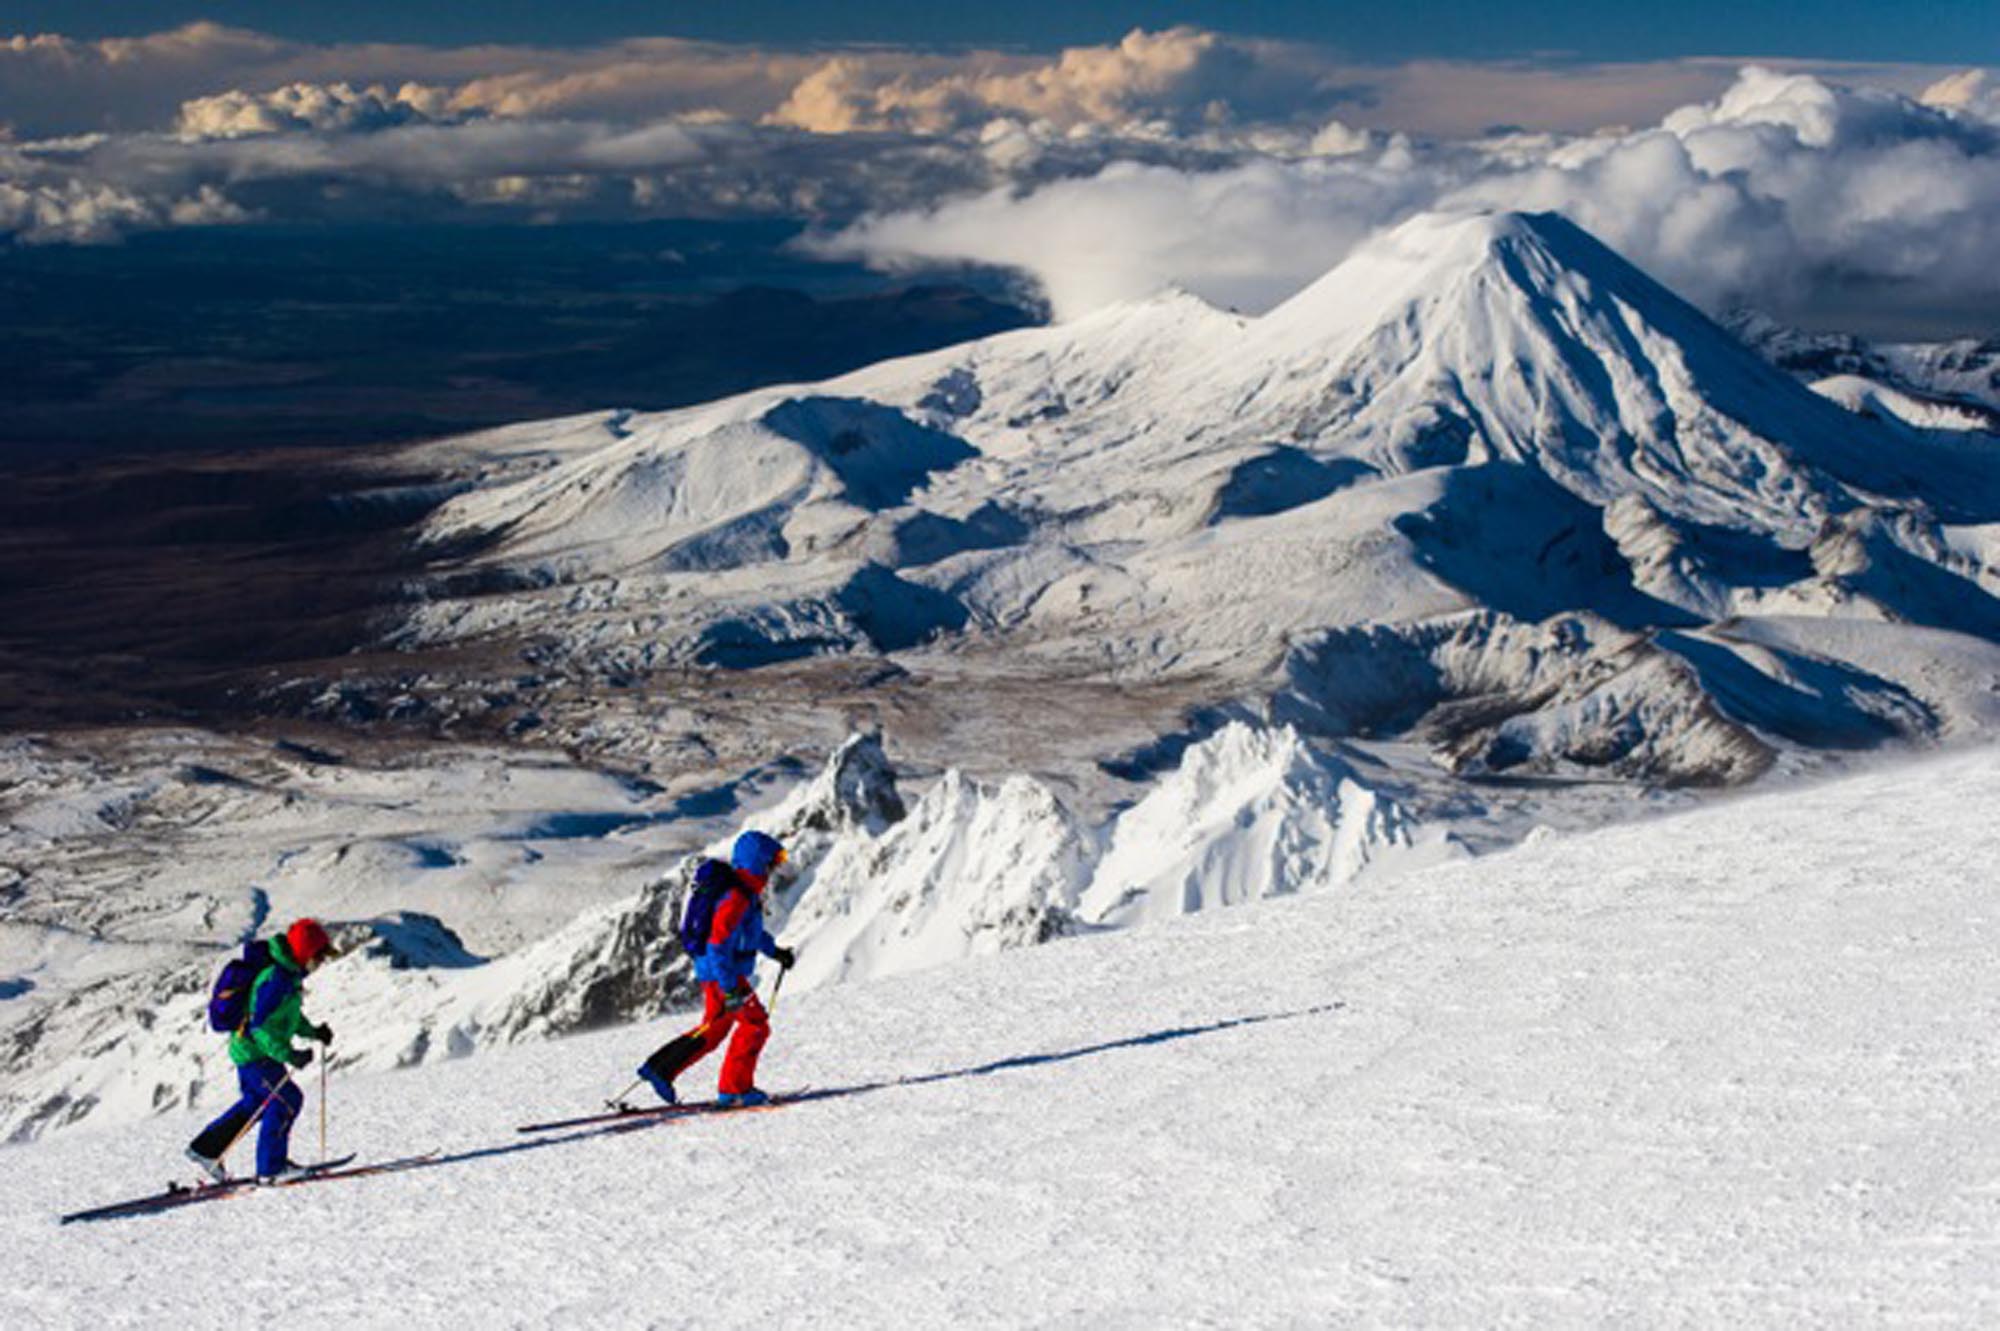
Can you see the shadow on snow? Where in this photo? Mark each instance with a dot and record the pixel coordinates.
(1012, 1064)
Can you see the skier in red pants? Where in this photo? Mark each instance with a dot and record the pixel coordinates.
(726, 968)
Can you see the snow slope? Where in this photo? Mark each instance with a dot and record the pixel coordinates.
(1731, 1067)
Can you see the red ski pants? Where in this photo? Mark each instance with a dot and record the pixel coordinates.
(752, 1027)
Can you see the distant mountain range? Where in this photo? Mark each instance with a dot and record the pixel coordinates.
(1964, 373)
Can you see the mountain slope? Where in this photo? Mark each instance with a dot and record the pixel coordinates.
(1726, 1067)
(1471, 415)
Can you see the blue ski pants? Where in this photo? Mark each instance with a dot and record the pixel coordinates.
(256, 1081)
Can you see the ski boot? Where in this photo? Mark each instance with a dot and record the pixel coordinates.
(210, 1167)
(749, 1099)
(661, 1086)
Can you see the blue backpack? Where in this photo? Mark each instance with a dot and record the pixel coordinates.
(713, 880)
(229, 1000)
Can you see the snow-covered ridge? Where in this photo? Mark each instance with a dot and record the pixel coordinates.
(873, 888)
(1867, 397)
(1964, 372)
(1249, 814)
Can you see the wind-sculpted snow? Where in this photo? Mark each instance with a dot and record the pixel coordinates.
(1248, 815)
(977, 867)
(974, 867)
(972, 870)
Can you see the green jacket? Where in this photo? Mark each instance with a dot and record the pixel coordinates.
(277, 1011)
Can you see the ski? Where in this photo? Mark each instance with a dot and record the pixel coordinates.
(333, 1171)
(618, 1114)
(178, 1195)
(325, 1166)
(636, 1114)
(175, 1195)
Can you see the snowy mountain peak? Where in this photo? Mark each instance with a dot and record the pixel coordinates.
(1426, 255)
(975, 868)
(1248, 814)
(1461, 339)
(855, 790)
(1454, 265)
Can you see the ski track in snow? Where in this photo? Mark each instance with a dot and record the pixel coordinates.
(1727, 1067)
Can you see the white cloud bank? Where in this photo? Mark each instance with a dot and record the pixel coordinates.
(1783, 184)
(334, 107)
(1239, 168)
(51, 85)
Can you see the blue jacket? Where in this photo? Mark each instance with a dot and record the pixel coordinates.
(736, 939)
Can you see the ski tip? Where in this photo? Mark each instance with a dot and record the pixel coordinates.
(181, 1194)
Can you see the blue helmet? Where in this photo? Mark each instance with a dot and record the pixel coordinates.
(756, 853)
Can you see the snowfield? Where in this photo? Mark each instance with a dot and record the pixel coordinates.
(1727, 1067)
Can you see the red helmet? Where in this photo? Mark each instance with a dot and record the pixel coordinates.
(308, 941)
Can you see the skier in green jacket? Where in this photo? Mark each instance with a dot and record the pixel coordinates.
(261, 1048)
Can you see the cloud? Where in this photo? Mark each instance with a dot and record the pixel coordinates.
(1244, 237)
(1238, 167)
(78, 212)
(1973, 92)
(39, 214)
(646, 78)
(96, 187)
(1782, 187)
(54, 85)
(338, 107)
(1183, 77)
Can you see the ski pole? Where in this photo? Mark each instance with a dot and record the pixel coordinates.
(771, 1008)
(240, 1132)
(324, 1059)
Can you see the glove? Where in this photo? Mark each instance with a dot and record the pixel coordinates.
(301, 1059)
(738, 998)
(784, 956)
(324, 1034)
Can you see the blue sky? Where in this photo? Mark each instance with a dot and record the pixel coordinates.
(1956, 31)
